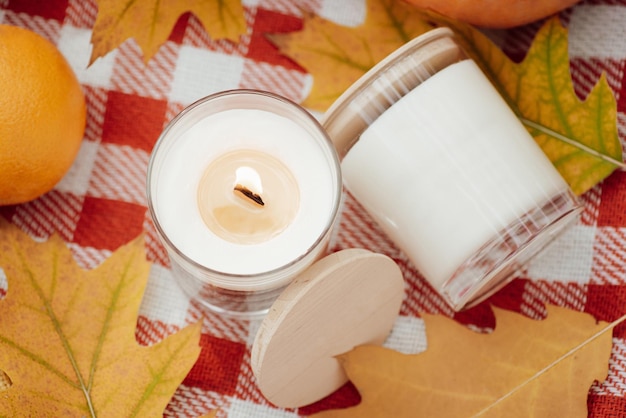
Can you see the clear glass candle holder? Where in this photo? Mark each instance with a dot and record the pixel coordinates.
(244, 189)
(435, 155)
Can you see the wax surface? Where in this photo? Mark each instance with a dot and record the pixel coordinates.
(261, 131)
(446, 168)
(234, 217)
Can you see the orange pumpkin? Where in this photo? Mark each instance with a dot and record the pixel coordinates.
(497, 14)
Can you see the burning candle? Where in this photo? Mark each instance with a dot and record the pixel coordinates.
(244, 188)
(443, 165)
(248, 197)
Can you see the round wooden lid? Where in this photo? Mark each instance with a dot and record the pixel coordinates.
(346, 299)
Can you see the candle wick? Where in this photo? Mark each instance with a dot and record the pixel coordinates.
(249, 194)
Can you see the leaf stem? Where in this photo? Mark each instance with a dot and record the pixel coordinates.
(621, 165)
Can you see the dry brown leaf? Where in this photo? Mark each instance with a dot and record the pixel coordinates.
(150, 22)
(525, 368)
(67, 335)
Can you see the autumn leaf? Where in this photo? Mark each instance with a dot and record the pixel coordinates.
(67, 335)
(338, 55)
(579, 137)
(523, 368)
(150, 22)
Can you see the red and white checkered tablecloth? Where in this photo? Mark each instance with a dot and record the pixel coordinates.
(101, 203)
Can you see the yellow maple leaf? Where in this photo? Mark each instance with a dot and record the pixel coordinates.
(523, 368)
(338, 55)
(67, 335)
(579, 137)
(150, 22)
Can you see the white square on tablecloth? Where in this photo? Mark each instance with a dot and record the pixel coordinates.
(75, 45)
(568, 259)
(346, 12)
(251, 3)
(200, 72)
(246, 409)
(408, 335)
(598, 31)
(163, 299)
(76, 180)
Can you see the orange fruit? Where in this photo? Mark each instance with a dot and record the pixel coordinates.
(497, 14)
(42, 115)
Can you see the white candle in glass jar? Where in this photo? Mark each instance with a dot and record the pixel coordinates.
(444, 166)
(460, 166)
(202, 176)
(244, 188)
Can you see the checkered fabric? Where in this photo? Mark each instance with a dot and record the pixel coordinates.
(101, 203)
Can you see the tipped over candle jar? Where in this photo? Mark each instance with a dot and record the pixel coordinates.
(244, 188)
(435, 155)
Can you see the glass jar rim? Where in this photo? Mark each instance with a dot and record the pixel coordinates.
(282, 106)
(346, 118)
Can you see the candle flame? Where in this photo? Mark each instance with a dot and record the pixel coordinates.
(248, 183)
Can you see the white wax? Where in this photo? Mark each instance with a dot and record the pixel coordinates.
(184, 163)
(446, 168)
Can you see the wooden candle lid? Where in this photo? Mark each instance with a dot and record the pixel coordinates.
(347, 299)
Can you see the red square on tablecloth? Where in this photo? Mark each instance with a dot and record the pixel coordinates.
(217, 368)
(344, 397)
(511, 296)
(108, 224)
(613, 205)
(480, 316)
(178, 32)
(607, 303)
(49, 9)
(605, 406)
(133, 120)
(261, 49)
